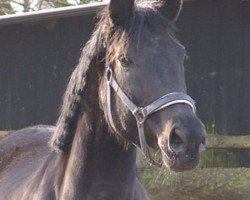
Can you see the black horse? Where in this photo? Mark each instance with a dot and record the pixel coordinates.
(127, 91)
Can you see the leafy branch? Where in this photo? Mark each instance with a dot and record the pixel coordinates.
(13, 6)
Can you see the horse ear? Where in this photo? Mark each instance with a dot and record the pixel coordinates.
(169, 8)
(121, 11)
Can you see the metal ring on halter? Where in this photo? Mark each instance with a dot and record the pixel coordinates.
(109, 74)
(140, 115)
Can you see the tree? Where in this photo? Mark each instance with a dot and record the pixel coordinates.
(12, 6)
(5, 7)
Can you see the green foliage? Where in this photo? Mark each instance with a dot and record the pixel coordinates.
(13, 6)
(5, 7)
(223, 158)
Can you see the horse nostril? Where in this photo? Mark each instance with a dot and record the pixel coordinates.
(177, 141)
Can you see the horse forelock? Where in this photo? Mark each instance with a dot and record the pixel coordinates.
(117, 38)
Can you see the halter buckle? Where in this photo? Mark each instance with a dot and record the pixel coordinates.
(140, 115)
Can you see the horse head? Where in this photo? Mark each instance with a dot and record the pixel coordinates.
(140, 83)
(145, 100)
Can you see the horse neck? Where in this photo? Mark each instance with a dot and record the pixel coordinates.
(97, 163)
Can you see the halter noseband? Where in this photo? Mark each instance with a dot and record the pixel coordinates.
(141, 113)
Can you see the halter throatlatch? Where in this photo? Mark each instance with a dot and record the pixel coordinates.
(141, 113)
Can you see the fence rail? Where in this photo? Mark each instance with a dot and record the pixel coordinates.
(3, 133)
(214, 141)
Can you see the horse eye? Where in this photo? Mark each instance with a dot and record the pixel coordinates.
(125, 61)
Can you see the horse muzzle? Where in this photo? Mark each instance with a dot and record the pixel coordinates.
(181, 144)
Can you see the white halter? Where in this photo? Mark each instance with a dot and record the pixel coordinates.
(141, 113)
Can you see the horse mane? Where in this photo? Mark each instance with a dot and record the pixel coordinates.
(106, 37)
(75, 91)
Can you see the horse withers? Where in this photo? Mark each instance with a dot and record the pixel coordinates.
(127, 91)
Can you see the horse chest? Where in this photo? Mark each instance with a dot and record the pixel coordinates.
(110, 193)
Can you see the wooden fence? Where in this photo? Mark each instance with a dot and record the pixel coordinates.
(214, 141)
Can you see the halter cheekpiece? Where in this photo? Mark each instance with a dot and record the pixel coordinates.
(141, 113)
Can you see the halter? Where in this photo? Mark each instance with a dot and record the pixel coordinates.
(141, 113)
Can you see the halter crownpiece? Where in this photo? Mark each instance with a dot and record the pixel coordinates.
(141, 113)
